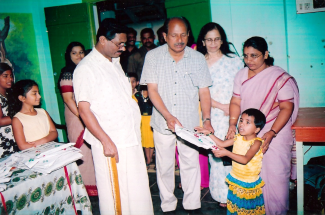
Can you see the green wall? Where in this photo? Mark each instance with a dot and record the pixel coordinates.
(36, 8)
(197, 12)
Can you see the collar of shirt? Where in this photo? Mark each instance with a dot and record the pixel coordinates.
(187, 53)
(101, 58)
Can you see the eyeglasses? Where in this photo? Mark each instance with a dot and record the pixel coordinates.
(210, 40)
(118, 46)
(254, 56)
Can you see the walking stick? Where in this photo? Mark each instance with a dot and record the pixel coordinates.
(114, 184)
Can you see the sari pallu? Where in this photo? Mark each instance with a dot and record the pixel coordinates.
(262, 91)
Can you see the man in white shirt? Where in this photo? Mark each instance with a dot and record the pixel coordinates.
(112, 118)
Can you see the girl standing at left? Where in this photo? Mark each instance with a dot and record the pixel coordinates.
(7, 141)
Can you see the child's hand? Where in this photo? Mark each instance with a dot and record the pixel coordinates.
(220, 152)
(202, 130)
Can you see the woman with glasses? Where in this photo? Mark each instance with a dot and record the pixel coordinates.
(223, 65)
(270, 89)
(75, 52)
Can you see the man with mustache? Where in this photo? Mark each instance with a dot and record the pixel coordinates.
(177, 78)
(112, 118)
(136, 60)
(129, 49)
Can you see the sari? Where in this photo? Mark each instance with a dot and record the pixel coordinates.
(265, 91)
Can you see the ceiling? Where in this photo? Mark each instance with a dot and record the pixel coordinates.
(134, 11)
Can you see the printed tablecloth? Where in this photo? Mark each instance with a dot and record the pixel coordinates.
(30, 192)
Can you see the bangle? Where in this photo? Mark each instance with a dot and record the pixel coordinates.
(209, 134)
(274, 132)
(206, 119)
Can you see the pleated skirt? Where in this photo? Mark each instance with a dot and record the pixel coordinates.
(245, 198)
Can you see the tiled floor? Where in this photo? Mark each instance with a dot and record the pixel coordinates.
(208, 205)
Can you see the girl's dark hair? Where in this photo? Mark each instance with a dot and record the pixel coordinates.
(260, 44)
(133, 75)
(259, 117)
(20, 88)
(4, 67)
(68, 61)
(224, 48)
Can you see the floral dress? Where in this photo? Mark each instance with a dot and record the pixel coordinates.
(222, 74)
(8, 144)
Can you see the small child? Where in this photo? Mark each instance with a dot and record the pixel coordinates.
(134, 80)
(245, 185)
(7, 142)
(31, 126)
(146, 106)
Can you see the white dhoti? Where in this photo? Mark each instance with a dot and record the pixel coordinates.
(133, 181)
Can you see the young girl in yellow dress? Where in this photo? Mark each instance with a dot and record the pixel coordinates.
(245, 185)
(31, 126)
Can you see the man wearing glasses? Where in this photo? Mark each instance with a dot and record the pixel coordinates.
(112, 118)
(136, 60)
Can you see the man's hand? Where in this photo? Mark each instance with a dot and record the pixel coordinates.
(171, 122)
(267, 137)
(110, 150)
(207, 125)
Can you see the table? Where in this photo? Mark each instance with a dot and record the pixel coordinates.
(309, 127)
(30, 192)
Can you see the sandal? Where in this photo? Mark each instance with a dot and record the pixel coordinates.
(148, 166)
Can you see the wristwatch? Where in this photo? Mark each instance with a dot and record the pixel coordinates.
(206, 119)
(274, 132)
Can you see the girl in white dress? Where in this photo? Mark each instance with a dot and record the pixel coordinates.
(31, 126)
(223, 65)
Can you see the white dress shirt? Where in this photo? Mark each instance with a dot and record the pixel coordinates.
(104, 85)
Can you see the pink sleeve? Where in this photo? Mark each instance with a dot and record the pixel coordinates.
(237, 85)
(285, 93)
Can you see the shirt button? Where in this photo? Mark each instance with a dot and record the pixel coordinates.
(175, 71)
(175, 82)
(174, 104)
(175, 94)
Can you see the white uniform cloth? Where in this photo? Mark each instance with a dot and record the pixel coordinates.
(104, 85)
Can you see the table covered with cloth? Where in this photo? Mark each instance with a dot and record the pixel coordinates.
(60, 192)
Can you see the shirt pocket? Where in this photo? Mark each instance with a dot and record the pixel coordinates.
(190, 85)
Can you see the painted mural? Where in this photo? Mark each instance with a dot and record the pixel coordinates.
(18, 45)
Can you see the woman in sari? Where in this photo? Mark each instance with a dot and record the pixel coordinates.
(73, 55)
(270, 89)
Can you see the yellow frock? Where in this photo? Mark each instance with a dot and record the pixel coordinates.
(245, 185)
